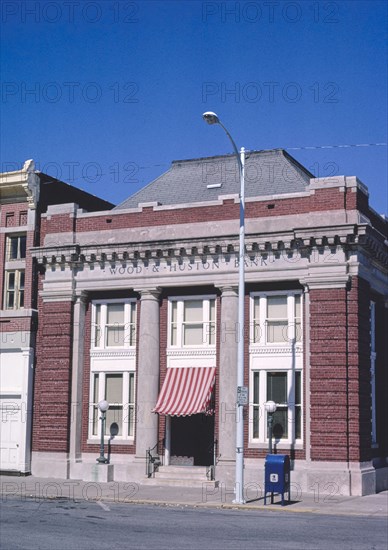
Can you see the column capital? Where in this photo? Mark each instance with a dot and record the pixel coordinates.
(228, 291)
(81, 296)
(324, 283)
(149, 293)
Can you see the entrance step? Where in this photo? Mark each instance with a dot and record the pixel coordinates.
(182, 476)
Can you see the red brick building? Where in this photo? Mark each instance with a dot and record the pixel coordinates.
(24, 195)
(138, 305)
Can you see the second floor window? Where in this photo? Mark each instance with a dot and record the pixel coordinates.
(192, 322)
(276, 318)
(16, 247)
(114, 324)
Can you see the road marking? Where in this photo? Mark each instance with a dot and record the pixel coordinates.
(103, 506)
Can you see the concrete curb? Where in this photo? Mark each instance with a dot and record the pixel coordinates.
(77, 491)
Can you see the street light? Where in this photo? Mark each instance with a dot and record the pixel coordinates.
(212, 118)
(103, 406)
(270, 407)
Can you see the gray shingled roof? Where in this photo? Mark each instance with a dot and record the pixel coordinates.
(272, 172)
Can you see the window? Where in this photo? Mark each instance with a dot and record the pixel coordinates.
(276, 318)
(14, 289)
(276, 364)
(16, 247)
(285, 389)
(118, 388)
(256, 405)
(112, 367)
(192, 322)
(15, 255)
(114, 324)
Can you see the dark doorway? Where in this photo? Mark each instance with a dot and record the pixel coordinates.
(193, 436)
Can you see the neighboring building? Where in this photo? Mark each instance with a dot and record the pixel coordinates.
(24, 195)
(138, 305)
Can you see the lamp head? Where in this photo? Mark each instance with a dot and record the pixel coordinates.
(210, 117)
(103, 405)
(270, 407)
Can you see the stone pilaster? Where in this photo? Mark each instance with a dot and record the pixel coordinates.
(147, 372)
(228, 375)
(77, 374)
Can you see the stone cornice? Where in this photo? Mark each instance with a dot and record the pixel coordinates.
(21, 185)
(297, 239)
(301, 239)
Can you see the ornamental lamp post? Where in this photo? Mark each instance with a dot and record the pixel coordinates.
(212, 118)
(103, 406)
(270, 407)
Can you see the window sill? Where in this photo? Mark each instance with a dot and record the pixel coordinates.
(286, 445)
(112, 352)
(21, 312)
(277, 345)
(190, 349)
(112, 442)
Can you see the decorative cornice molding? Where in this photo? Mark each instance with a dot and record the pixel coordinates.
(110, 354)
(275, 350)
(301, 241)
(191, 353)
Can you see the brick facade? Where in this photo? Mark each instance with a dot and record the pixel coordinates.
(52, 405)
(317, 243)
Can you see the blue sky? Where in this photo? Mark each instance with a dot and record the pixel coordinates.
(105, 94)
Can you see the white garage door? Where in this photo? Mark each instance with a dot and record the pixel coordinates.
(10, 431)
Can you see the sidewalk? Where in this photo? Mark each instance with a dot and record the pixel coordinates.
(50, 488)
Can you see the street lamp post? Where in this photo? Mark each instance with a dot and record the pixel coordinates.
(212, 118)
(103, 406)
(270, 407)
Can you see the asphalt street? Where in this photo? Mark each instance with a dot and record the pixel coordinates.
(63, 524)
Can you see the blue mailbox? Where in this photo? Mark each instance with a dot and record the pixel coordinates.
(277, 476)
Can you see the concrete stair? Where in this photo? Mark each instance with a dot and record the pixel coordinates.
(181, 476)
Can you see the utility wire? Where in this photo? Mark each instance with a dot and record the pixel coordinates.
(336, 146)
(302, 148)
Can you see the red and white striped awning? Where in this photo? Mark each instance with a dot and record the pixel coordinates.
(186, 391)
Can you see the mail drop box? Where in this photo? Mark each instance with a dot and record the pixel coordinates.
(277, 476)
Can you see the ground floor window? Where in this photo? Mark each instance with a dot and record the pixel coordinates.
(118, 388)
(285, 389)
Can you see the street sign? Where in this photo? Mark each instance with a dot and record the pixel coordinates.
(242, 395)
